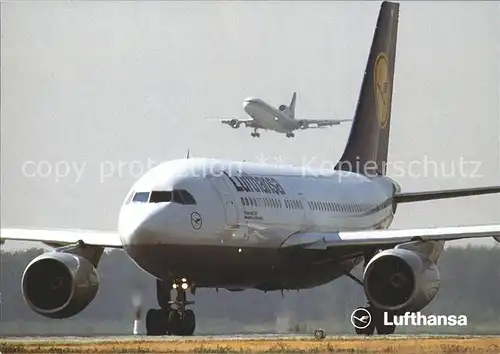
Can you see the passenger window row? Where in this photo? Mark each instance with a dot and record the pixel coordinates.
(346, 208)
(180, 196)
(261, 202)
(266, 202)
(293, 204)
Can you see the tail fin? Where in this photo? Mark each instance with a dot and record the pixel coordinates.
(366, 149)
(292, 104)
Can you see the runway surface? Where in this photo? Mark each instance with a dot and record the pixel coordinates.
(127, 338)
(277, 343)
(234, 337)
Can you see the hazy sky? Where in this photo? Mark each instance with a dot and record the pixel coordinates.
(98, 89)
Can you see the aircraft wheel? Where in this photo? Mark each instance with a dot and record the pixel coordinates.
(188, 323)
(156, 324)
(382, 329)
(174, 323)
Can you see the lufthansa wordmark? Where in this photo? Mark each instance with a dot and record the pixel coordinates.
(243, 182)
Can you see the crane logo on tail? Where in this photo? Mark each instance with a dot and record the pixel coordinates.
(382, 88)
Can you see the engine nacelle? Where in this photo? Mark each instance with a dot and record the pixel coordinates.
(285, 109)
(400, 280)
(302, 124)
(59, 285)
(234, 123)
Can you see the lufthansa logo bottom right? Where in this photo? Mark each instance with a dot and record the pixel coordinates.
(361, 318)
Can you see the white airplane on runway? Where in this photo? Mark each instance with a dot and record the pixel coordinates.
(195, 223)
(281, 120)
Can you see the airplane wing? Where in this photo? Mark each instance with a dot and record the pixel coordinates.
(321, 123)
(358, 240)
(443, 194)
(63, 237)
(236, 122)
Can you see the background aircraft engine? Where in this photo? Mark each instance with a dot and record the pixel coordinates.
(285, 109)
(234, 123)
(400, 280)
(59, 285)
(302, 124)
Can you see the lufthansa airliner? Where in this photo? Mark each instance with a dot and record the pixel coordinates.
(205, 223)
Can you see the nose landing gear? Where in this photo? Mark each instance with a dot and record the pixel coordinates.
(290, 135)
(181, 321)
(178, 320)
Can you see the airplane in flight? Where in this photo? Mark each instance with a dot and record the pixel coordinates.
(208, 223)
(282, 120)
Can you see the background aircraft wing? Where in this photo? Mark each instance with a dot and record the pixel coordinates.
(358, 240)
(237, 122)
(321, 123)
(63, 237)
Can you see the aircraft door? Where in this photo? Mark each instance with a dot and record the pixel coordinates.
(223, 187)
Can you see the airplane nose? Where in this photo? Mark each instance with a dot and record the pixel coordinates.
(140, 227)
(248, 101)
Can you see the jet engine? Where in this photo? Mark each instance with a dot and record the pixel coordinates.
(234, 123)
(302, 124)
(285, 109)
(400, 280)
(59, 285)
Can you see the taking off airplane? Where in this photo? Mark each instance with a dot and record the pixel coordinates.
(194, 223)
(281, 120)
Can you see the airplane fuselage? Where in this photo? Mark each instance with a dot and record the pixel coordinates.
(269, 117)
(230, 234)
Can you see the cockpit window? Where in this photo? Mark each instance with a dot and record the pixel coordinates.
(141, 197)
(188, 198)
(180, 196)
(129, 197)
(160, 197)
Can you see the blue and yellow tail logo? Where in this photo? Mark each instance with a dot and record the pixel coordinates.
(382, 87)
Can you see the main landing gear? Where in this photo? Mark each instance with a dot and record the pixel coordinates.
(368, 319)
(290, 135)
(254, 134)
(177, 321)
